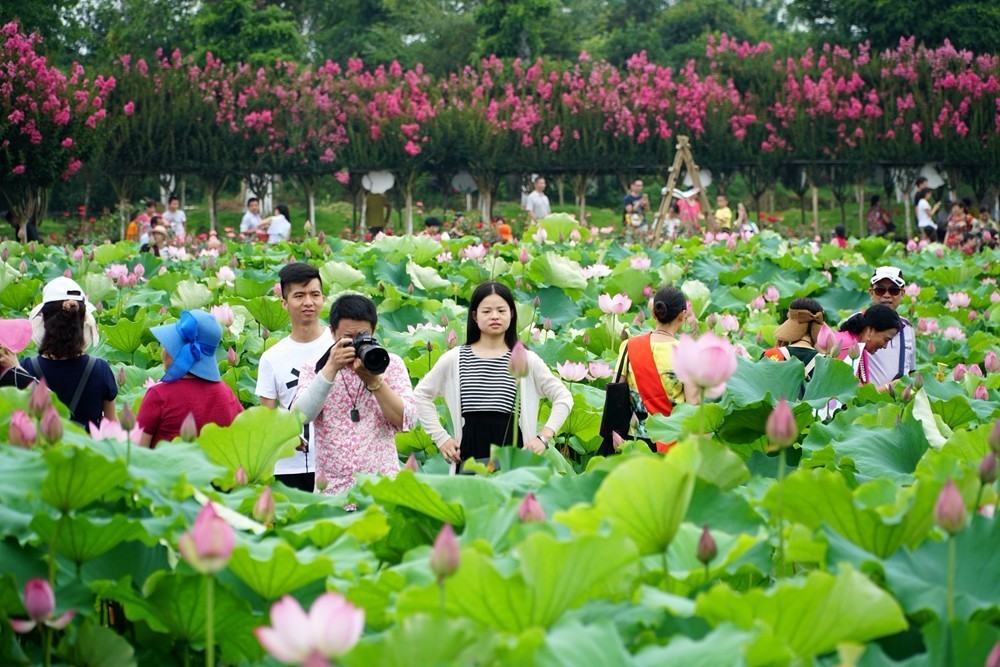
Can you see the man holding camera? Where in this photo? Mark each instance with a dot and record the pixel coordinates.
(358, 397)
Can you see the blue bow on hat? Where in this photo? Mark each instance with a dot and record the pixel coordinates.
(192, 343)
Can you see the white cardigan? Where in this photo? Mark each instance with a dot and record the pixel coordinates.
(443, 380)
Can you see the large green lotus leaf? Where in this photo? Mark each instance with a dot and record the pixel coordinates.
(416, 494)
(432, 640)
(84, 537)
(377, 594)
(23, 470)
(8, 274)
(918, 580)
(125, 335)
(966, 447)
(747, 425)
(147, 298)
(698, 294)
(735, 551)
(647, 497)
(421, 248)
(629, 281)
(754, 382)
(267, 311)
(559, 226)
(256, 440)
(171, 466)
(368, 526)
(77, 477)
(191, 295)
(554, 270)
(875, 451)
(557, 306)
(391, 273)
(573, 644)
(961, 643)
(174, 603)
(878, 516)
(20, 296)
(251, 289)
(685, 419)
(272, 567)
(107, 253)
(811, 614)
(338, 276)
(426, 278)
(553, 577)
(166, 282)
(724, 646)
(134, 559)
(873, 248)
(831, 378)
(97, 646)
(955, 412)
(722, 510)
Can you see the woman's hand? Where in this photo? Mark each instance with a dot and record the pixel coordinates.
(7, 358)
(450, 451)
(341, 356)
(535, 445)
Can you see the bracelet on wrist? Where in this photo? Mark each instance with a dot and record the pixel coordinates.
(545, 441)
(375, 388)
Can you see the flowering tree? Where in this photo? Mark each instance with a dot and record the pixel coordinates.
(49, 123)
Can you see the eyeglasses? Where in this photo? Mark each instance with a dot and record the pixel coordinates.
(881, 291)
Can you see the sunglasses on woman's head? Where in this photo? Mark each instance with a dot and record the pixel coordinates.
(881, 291)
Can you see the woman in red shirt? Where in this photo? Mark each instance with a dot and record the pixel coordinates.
(191, 385)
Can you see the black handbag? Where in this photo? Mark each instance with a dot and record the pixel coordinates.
(617, 415)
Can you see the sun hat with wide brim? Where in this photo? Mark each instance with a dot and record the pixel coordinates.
(15, 335)
(192, 342)
(64, 289)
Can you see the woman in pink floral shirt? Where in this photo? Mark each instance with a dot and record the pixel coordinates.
(355, 413)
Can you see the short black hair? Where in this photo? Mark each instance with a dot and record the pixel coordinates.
(432, 222)
(283, 210)
(353, 307)
(878, 317)
(668, 303)
(840, 232)
(297, 273)
(875, 200)
(252, 200)
(173, 198)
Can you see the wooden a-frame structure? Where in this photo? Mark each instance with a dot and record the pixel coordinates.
(681, 157)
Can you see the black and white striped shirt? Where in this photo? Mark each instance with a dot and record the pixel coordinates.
(486, 384)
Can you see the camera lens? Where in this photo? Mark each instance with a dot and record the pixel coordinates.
(374, 357)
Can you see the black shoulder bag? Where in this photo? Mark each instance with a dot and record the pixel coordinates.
(617, 416)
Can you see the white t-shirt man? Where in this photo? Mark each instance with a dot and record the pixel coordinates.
(279, 230)
(176, 219)
(250, 222)
(537, 204)
(924, 218)
(278, 378)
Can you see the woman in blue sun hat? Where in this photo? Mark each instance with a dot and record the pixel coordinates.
(192, 383)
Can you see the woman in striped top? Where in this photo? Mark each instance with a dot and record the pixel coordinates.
(479, 390)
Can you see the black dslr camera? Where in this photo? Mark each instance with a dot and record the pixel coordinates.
(372, 355)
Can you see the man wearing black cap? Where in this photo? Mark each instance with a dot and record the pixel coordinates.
(898, 357)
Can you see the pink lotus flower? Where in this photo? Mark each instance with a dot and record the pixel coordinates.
(445, 257)
(40, 400)
(959, 372)
(474, 252)
(52, 426)
(958, 300)
(911, 246)
(995, 297)
(617, 304)
(78, 255)
(223, 314)
(452, 338)
(519, 360)
(927, 325)
(975, 370)
(912, 290)
(954, 333)
(445, 555)
(707, 549)
(226, 275)
(523, 256)
(758, 303)
(949, 510)
(22, 430)
(981, 393)
(209, 544)
(330, 629)
(263, 509)
(540, 236)
(781, 428)
(706, 363)
(991, 362)
(729, 323)
(600, 369)
(276, 290)
(771, 294)
(641, 263)
(595, 271)
(112, 430)
(530, 510)
(826, 341)
(572, 371)
(40, 603)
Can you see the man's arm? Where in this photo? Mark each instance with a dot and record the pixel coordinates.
(269, 402)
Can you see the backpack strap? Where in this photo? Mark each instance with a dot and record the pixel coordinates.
(35, 367)
(83, 384)
(647, 376)
(902, 353)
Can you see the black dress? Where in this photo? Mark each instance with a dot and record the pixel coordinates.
(488, 391)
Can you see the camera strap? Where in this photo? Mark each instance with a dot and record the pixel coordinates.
(355, 414)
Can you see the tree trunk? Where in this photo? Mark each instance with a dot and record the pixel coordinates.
(213, 186)
(309, 188)
(580, 183)
(560, 187)
(860, 193)
(815, 199)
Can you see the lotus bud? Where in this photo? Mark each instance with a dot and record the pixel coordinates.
(22, 430)
(981, 393)
(991, 362)
(452, 338)
(647, 291)
(411, 463)
(41, 399)
(519, 360)
(907, 394)
(530, 510)
(711, 320)
(77, 255)
(445, 553)
(993, 659)
(235, 263)
(973, 315)
(265, 334)
(518, 282)
(949, 510)
(189, 428)
(322, 482)
(429, 345)
(547, 324)
(307, 253)
(825, 340)
(241, 477)
(321, 237)
(931, 347)
(617, 441)
(707, 549)
(209, 544)
(4, 255)
(276, 290)
(536, 302)
(126, 418)
(781, 428)
(39, 599)
(960, 371)
(988, 469)
(32, 248)
(263, 509)
(409, 290)
(623, 335)
(90, 256)
(994, 438)
(974, 369)
(524, 257)
(586, 339)
(52, 426)
(444, 319)
(854, 351)
(918, 381)
(23, 266)
(232, 357)
(640, 317)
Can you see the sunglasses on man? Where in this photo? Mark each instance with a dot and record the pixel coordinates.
(881, 291)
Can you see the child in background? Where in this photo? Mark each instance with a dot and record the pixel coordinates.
(839, 236)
